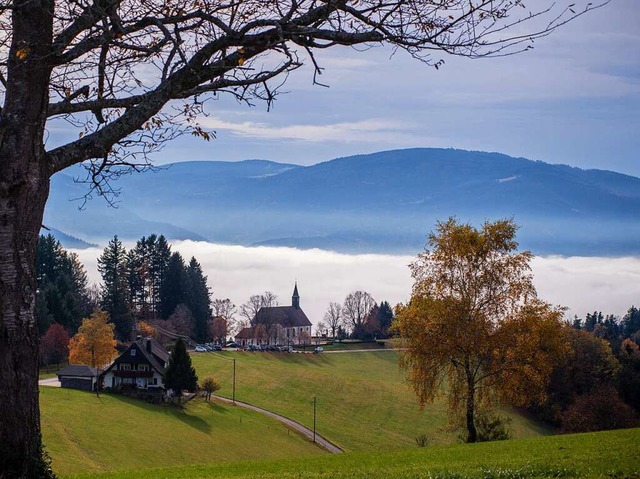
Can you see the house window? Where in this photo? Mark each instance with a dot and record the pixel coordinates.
(133, 352)
(143, 367)
(125, 366)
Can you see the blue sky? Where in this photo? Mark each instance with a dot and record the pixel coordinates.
(573, 99)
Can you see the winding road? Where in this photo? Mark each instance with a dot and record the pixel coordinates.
(305, 431)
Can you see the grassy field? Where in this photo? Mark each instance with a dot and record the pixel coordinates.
(84, 433)
(613, 454)
(363, 403)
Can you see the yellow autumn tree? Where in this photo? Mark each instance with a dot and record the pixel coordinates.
(94, 344)
(474, 323)
(147, 329)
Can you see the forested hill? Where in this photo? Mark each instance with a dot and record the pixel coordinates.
(382, 202)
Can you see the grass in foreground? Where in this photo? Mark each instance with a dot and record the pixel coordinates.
(611, 454)
(363, 403)
(84, 433)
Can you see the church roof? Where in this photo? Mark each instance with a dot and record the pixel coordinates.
(286, 316)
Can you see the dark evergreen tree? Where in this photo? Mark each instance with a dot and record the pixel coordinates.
(173, 287)
(62, 294)
(631, 322)
(114, 290)
(198, 300)
(592, 320)
(180, 375)
(385, 318)
(159, 254)
(135, 284)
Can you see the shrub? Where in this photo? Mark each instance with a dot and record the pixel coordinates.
(600, 410)
(422, 440)
(492, 427)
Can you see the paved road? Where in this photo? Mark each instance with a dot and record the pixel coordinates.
(360, 350)
(51, 382)
(305, 431)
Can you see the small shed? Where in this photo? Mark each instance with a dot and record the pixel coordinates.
(78, 376)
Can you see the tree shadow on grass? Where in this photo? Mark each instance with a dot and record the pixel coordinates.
(180, 413)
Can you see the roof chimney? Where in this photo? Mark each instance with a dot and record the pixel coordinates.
(148, 344)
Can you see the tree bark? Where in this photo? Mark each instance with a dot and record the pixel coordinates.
(472, 434)
(24, 187)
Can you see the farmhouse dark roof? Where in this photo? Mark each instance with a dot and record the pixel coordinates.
(78, 370)
(158, 357)
(286, 316)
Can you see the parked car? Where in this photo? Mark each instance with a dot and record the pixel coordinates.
(217, 347)
(318, 350)
(201, 349)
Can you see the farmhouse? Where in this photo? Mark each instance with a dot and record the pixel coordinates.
(277, 325)
(78, 376)
(141, 366)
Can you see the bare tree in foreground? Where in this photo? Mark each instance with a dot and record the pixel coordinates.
(128, 75)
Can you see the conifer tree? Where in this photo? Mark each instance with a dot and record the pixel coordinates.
(114, 297)
(180, 374)
(62, 286)
(173, 287)
(198, 300)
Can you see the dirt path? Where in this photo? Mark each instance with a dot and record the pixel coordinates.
(305, 431)
(51, 382)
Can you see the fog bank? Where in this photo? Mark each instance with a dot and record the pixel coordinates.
(583, 284)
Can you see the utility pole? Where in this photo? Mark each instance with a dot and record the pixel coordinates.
(314, 418)
(234, 380)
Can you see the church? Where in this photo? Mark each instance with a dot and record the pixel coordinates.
(278, 325)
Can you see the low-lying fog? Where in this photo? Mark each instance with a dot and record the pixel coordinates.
(583, 284)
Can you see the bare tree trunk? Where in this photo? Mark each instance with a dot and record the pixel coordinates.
(24, 187)
(472, 435)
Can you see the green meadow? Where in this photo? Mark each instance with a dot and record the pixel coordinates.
(612, 454)
(86, 433)
(363, 404)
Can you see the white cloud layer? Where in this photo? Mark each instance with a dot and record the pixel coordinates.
(610, 285)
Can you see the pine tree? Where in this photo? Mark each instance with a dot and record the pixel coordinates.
(159, 254)
(198, 300)
(180, 374)
(62, 286)
(173, 287)
(114, 290)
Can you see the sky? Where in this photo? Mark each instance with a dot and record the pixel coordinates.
(573, 99)
(583, 285)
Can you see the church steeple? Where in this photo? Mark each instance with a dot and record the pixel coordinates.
(295, 299)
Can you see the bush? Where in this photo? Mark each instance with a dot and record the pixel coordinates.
(492, 427)
(422, 440)
(600, 410)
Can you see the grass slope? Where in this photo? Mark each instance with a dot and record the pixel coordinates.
(84, 433)
(363, 403)
(611, 454)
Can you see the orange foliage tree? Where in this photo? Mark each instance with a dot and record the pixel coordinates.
(94, 344)
(474, 321)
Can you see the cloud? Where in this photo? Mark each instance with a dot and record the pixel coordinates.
(610, 285)
(370, 130)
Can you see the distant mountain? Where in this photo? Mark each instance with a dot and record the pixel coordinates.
(382, 202)
(66, 240)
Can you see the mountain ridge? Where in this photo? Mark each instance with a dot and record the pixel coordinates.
(380, 202)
